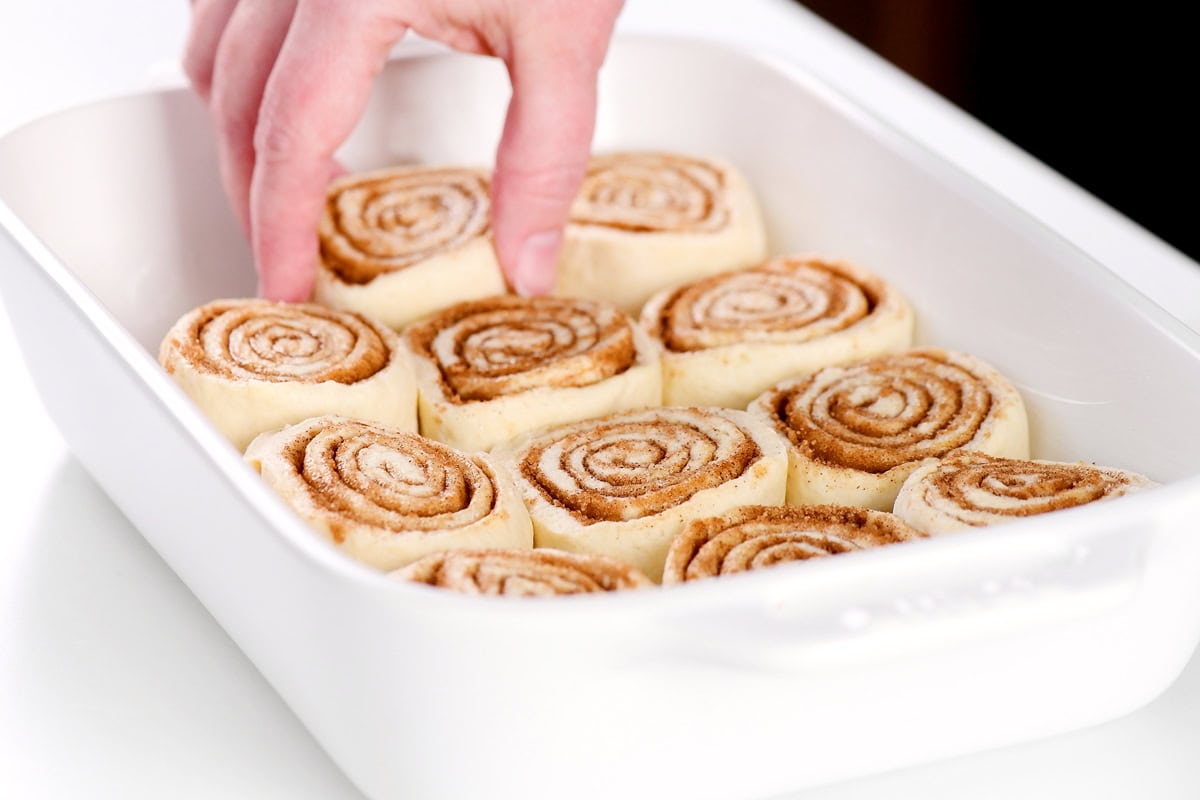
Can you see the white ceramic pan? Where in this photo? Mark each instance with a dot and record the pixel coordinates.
(738, 688)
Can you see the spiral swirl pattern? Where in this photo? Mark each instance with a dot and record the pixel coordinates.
(523, 573)
(505, 345)
(969, 488)
(878, 414)
(652, 193)
(754, 537)
(632, 465)
(359, 474)
(277, 342)
(385, 221)
(784, 301)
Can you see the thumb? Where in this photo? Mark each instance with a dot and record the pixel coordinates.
(543, 152)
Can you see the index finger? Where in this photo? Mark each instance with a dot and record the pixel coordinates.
(316, 94)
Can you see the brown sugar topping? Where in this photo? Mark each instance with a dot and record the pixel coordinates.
(652, 193)
(754, 537)
(978, 489)
(506, 345)
(884, 412)
(278, 342)
(365, 474)
(389, 220)
(784, 301)
(636, 464)
(524, 573)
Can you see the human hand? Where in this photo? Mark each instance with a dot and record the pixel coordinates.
(287, 80)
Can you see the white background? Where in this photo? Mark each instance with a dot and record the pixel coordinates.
(115, 682)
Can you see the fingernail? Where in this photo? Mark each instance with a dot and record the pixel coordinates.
(537, 263)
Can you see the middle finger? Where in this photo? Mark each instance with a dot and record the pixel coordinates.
(245, 57)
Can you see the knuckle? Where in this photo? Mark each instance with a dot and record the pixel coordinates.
(276, 140)
(233, 122)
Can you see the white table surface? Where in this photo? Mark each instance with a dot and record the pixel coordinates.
(116, 683)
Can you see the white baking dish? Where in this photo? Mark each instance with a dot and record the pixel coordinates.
(737, 688)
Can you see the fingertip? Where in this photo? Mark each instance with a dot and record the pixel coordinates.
(286, 252)
(536, 265)
(286, 285)
(536, 181)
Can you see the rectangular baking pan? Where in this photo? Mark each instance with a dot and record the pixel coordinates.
(738, 688)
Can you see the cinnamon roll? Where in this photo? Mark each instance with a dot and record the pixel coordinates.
(523, 573)
(254, 365)
(754, 537)
(971, 489)
(644, 221)
(728, 337)
(399, 243)
(387, 497)
(489, 370)
(855, 432)
(623, 485)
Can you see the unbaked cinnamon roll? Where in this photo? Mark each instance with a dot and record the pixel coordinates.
(387, 497)
(489, 370)
(523, 573)
(856, 432)
(728, 337)
(644, 221)
(254, 365)
(754, 537)
(623, 485)
(971, 489)
(399, 243)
